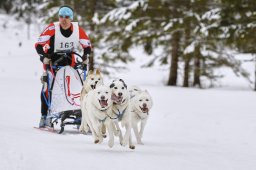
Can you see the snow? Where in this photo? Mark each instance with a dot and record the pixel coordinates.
(123, 13)
(190, 48)
(168, 26)
(212, 14)
(193, 129)
(132, 25)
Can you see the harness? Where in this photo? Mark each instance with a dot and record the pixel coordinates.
(103, 120)
(119, 115)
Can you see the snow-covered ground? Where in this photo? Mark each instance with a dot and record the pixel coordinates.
(188, 129)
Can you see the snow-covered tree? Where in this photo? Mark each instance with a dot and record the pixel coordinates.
(187, 32)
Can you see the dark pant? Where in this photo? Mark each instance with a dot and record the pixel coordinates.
(44, 107)
(44, 98)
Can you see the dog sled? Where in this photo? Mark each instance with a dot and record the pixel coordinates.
(63, 87)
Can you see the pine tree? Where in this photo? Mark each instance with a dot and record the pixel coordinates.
(238, 27)
(194, 36)
(6, 5)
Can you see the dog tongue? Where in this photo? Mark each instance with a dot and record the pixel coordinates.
(103, 103)
(144, 109)
(116, 99)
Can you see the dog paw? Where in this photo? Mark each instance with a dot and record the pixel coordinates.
(132, 147)
(140, 143)
(81, 129)
(111, 143)
(87, 130)
(84, 130)
(123, 142)
(100, 140)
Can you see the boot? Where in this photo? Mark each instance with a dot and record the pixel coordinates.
(42, 122)
(48, 122)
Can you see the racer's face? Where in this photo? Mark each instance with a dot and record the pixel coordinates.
(65, 22)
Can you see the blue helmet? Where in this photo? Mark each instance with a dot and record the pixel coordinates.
(66, 11)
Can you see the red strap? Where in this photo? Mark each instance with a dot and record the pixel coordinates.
(68, 84)
(73, 60)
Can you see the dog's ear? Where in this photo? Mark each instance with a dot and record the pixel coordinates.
(123, 83)
(97, 71)
(112, 85)
(90, 72)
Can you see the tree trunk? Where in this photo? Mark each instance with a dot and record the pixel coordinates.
(187, 57)
(174, 59)
(197, 69)
(92, 26)
(255, 73)
(186, 70)
(7, 6)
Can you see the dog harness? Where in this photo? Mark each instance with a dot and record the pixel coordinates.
(103, 120)
(119, 115)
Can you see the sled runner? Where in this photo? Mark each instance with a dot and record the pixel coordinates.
(63, 87)
(47, 129)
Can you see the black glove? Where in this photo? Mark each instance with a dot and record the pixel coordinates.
(44, 78)
(49, 56)
(84, 57)
(84, 67)
(87, 52)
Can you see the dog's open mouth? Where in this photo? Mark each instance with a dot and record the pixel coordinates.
(144, 109)
(117, 99)
(103, 103)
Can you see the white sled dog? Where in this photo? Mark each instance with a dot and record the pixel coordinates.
(92, 81)
(97, 110)
(121, 109)
(134, 90)
(141, 104)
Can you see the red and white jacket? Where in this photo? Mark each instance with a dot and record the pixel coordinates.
(45, 43)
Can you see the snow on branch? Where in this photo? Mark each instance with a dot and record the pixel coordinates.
(123, 13)
(213, 14)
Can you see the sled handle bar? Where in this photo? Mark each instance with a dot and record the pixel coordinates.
(79, 65)
(65, 55)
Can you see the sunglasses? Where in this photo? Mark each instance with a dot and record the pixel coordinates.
(67, 17)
